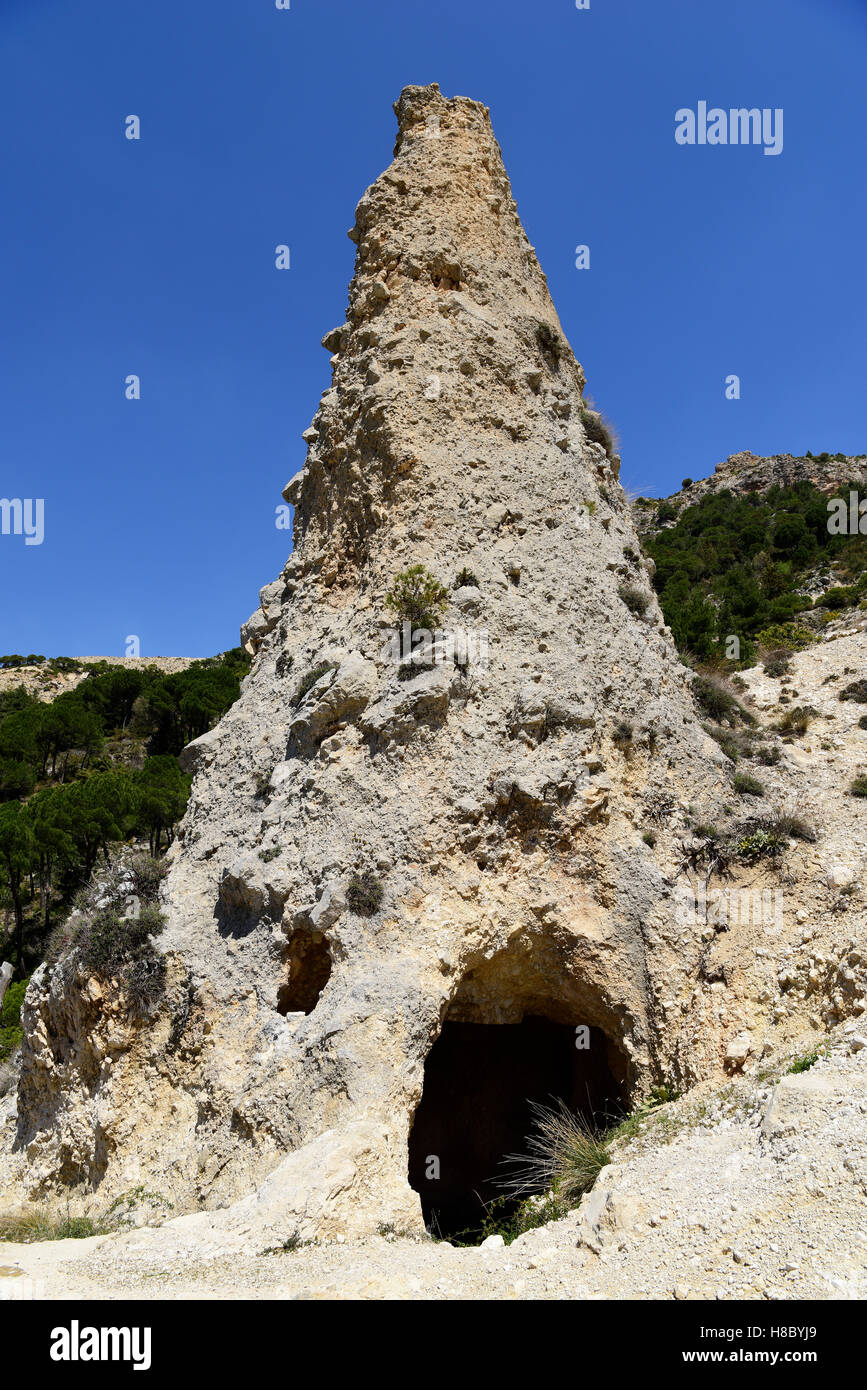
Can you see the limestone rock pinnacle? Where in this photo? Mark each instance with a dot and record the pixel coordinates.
(376, 855)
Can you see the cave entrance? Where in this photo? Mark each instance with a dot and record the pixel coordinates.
(309, 967)
(479, 1080)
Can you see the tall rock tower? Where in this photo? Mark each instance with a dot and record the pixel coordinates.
(410, 894)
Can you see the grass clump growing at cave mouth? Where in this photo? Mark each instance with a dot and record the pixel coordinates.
(417, 597)
(564, 1157)
(307, 682)
(504, 1218)
(364, 894)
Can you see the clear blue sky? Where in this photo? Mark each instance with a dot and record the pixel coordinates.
(262, 126)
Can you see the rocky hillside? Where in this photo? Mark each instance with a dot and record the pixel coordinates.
(754, 1192)
(746, 472)
(45, 682)
(754, 1189)
(765, 555)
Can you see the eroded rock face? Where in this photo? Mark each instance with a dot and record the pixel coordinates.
(464, 841)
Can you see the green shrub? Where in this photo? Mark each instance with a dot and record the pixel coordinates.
(729, 741)
(788, 635)
(115, 947)
(10, 1018)
(768, 754)
(856, 691)
(716, 700)
(804, 1063)
(687, 482)
(761, 844)
(862, 722)
(739, 563)
(26, 1228)
(746, 785)
(364, 894)
(465, 578)
(147, 875)
(858, 787)
(778, 663)
(796, 720)
(418, 598)
(110, 941)
(836, 598)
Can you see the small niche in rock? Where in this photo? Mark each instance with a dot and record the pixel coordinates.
(445, 277)
(309, 967)
(475, 1110)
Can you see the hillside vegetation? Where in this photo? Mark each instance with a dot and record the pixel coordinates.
(95, 767)
(762, 567)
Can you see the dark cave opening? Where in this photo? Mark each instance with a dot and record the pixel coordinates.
(479, 1080)
(309, 968)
